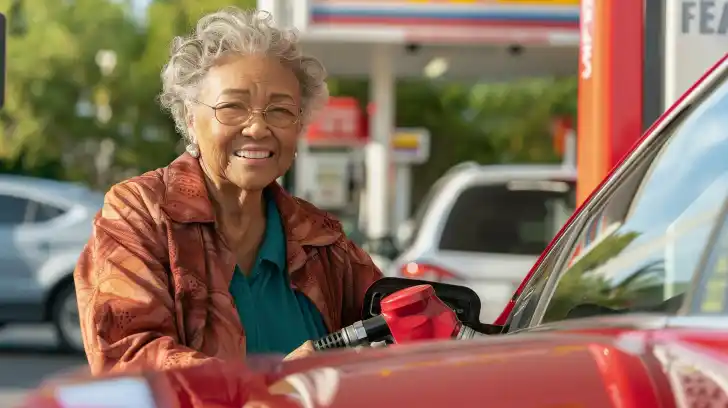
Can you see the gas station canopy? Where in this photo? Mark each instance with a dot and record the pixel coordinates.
(495, 62)
(453, 39)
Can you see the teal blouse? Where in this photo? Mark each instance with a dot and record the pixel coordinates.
(276, 317)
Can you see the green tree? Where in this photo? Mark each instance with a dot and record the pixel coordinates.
(51, 66)
(517, 116)
(52, 54)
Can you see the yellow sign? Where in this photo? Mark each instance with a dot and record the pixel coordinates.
(406, 141)
(410, 145)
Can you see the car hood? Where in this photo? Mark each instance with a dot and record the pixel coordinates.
(626, 362)
(622, 362)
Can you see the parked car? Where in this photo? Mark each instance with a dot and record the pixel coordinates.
(44, 225)
(485, 226)
(627, 307)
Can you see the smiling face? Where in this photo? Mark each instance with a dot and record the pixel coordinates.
(247, 150)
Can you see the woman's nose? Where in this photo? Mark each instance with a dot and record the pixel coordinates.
(256, 127)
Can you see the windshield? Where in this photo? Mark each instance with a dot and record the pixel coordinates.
(640, 249)
(527, 213)
(518, 217)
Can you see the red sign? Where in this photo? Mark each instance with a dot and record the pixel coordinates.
(561, 126)
(339, 123)
(609, 119)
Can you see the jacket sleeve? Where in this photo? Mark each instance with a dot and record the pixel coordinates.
(125, 303)
(364, 273)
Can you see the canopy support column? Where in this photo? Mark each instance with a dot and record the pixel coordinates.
(378, 152)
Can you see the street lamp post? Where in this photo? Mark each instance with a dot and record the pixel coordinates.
(106, 60)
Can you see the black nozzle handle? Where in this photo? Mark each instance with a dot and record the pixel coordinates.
(359, 333)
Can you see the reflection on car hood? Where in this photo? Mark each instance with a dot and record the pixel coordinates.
(634, 361)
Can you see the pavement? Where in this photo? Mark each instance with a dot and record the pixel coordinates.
(28, 355)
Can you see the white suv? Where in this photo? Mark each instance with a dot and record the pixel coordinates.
(485, 226)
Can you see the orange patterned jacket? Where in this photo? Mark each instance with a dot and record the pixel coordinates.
(152, 282)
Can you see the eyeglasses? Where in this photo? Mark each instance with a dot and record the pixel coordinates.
(236, 113)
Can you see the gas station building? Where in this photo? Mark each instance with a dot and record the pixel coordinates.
(383, 40)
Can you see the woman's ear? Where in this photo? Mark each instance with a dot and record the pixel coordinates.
(189, 121)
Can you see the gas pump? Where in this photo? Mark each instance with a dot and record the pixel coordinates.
(330, 172)
(329, 168)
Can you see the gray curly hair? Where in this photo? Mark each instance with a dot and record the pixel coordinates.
(232, 30)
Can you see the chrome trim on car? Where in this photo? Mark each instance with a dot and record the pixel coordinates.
(698, 322)
(637, 321)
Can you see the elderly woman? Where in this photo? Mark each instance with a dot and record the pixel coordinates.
(209, 259)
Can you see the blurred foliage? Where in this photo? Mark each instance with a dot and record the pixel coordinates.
(582, 283)
(52, 52)
(487, 123)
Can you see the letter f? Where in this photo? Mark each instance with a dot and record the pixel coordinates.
(687, 15)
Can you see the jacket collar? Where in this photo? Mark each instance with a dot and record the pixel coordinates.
(187, 201)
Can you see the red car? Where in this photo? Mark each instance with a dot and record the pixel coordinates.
(628, 307)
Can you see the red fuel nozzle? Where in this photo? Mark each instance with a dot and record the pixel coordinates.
(416, 313)
(411, 314)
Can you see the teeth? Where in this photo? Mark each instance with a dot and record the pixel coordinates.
(253, 154)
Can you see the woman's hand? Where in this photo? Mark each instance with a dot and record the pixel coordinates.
(305, 350)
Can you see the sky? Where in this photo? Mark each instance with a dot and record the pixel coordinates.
(140, 6)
